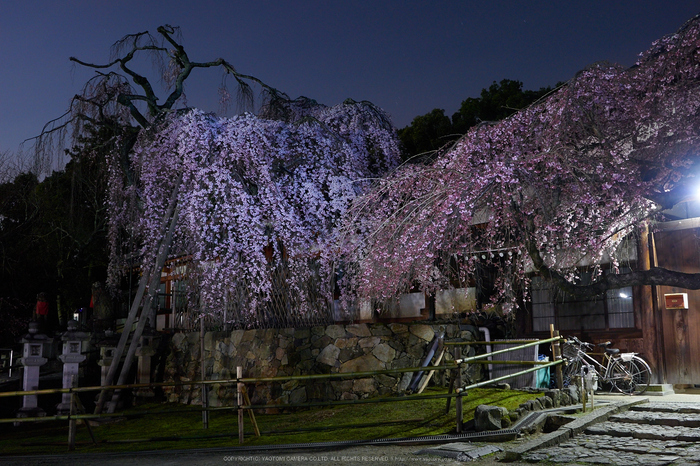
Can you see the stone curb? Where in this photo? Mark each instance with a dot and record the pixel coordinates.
(571, 429)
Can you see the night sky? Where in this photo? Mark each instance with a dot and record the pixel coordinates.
(407, 57)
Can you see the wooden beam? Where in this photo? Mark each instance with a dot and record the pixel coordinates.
(684, 224)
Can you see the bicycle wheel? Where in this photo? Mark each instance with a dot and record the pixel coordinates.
(631, 377)
(572, 369)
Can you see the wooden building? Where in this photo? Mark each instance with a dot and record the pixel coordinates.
(662, 323)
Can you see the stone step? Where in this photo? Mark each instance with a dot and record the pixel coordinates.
(659, 389)
(644, 431)
(662, 407)
(658, 418)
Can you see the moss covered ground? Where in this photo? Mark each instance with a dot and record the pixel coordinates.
(170, 426)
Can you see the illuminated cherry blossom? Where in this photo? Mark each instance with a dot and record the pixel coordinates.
(554, 186)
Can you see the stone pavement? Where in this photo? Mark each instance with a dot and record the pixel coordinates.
(622, 430)
(654, 433)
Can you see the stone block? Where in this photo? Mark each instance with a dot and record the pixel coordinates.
(284, 341)
(398, 328)
(290, 385)
(364, 363)
(386, 381)
(384, 353)
(236, 337)
(380, 330)
(555, 396)
(402, 362)
(363, 386)
(368, 342)
(298, 396)
(487, 418)
(546, 402)
(404, 383)
(424, 332)
(329, 355)
(248, 336)
(341, 386)
(335, 331)
(305, 354)
(360, 330)
(178, 340)
(343, 343)
(322, 341)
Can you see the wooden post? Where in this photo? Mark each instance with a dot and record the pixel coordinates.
(205, 394)
(556, 356)
(455, 376)
(652, 332)
(458, 408)
(72, 427)
(239, 389)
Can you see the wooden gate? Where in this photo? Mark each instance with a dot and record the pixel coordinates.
(679, 249)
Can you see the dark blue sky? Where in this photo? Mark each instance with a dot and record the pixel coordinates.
(406, 56)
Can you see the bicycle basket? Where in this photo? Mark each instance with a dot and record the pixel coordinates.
(569, 351)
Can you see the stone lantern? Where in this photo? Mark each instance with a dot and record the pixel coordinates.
(32, 359)
(71, 357)
(108, 346)
(145, 351)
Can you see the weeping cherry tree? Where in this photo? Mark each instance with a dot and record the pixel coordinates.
(559, 184)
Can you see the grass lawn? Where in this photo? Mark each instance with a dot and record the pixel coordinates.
(171, 426)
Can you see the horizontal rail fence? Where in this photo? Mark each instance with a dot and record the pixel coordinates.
(244, 404)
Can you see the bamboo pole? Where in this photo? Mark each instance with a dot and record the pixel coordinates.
(523, 363)
(509, 376)
(360, 401)
(336, 375)
(241, 406)
(503, 351)
(500, 342)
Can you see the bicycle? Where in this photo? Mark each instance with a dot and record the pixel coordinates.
(626, 372)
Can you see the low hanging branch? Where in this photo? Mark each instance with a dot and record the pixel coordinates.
(560, 183)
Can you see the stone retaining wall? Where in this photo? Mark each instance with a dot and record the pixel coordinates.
(316, 350)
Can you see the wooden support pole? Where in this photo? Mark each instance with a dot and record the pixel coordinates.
(80, 409)
(72, 426)
(455, 376)
(458, 408)
(251, 414)
(205, 392)
(239, 389)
